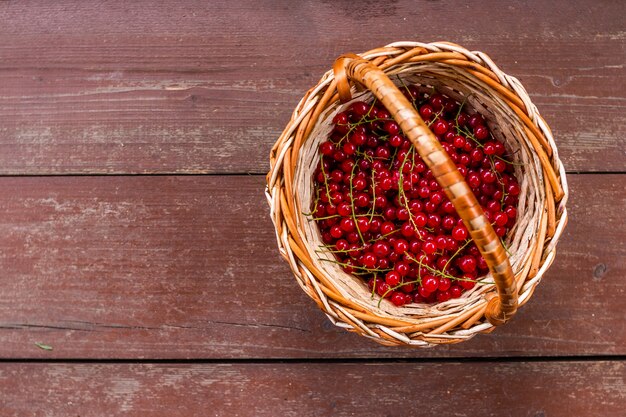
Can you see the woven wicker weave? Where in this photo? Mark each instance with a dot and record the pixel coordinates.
(513, 119)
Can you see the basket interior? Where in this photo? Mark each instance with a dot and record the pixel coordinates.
(505, 126)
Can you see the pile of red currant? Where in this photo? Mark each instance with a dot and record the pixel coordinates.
(383, 215)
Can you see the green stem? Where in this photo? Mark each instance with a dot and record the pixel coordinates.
(456, 253)
(330, 200)
(356, 226)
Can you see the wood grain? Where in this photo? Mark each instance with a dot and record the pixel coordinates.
(197, 87)
(319, 389)
(137, 270)
(187, 267)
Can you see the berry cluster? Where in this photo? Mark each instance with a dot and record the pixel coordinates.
(383, 215)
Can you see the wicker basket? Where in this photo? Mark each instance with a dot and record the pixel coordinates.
(513, 119)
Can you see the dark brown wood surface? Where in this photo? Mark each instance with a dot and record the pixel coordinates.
(315, 389)
(197, 87)
(163, 293)
(154, 266)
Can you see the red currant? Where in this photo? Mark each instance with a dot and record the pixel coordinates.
(393, 278)
(459, 233)
(481, 132)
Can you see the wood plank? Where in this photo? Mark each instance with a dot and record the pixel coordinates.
(207, 87)
(364, 389)
(187, 267)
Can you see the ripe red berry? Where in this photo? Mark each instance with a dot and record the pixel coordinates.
(429, 247)
(489, 149)
(386, 228)
(462, 119)
(363, 224)
(430, 283)
(436, 197)
(369, 260)
(481, 132)
(455, 291)
(359, 184)
(467, 283)
(488, 176)
(476, 120)
(382, 289)
(341, 245)
(459, 142)
(426, 111)
(476, 155)
(349, 148)
(437, 101)
(513, 189)
(347, 224)
(448, 207)
(423, 292)
(402, 214)
(383, 114)
(459, 233)
(407, 230)
(433, 220)
(408, 288)
(327, 148)
(440, 127)
(343, 209)
(392, 278)
(415, 246)
(396, 141)
(360, 108)
(511, 212)
(467, 263)
(352, 237)
(448, 223)
(391, 127)
(402, 268)
(340, 119)
(444, 284)
(398, 299)
(362, 200)
(336, 232)
(358, 138)
(380, 249)
(443, 296)
(500, 218)
(400, 246)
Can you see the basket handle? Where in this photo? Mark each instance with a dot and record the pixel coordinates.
(499, 309)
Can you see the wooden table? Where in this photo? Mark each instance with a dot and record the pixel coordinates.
(139, 271)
